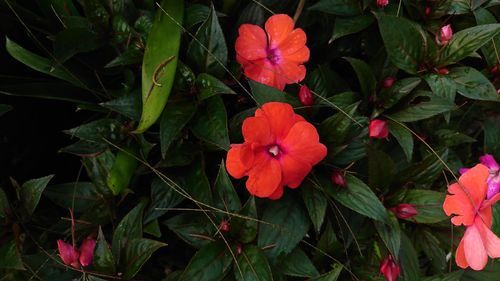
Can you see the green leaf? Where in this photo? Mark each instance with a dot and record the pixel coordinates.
(123, 170)
(263, 94)
(404, 138)
(330, 276)
(449, 138)
(453, 276)
(298, 264)
(404, 42)
(163, 196)
(40, 63)
(442, 85)
(408, 260)
(211, 86)
(390, 234)
(153, 228)
(10, 258)
(338, 7)
(194, 229)
(351, 25)
(433, 249)
(31, 191)
(129, 228)
(465, 42)
(138, 252)
(225, 196)
(210, 123)
(195, 14)
(103, 260)
(315, 202)
(333, 130)
(286, 224)
(490, 49)
(492, 136)
(98, 131)
(381, 169)
(97, 168)
(365, 75)
(208, 51)
(473, 84)
(426, 171)
(72, 41)
(401, 88)
(244, 226)
(128, 105)
(358, 197)
(160, 61)
(210, 263)
(425, 109)
(429, 205)
(173, 119)
(80, 196)
(4, 108)
(196, 182)
(252, 265)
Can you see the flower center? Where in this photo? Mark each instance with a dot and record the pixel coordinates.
(273, 55)
(274, 150)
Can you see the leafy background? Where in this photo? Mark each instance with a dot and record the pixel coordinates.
(86, 125)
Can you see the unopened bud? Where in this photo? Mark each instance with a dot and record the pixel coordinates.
(224, 226)
(305, 96)
(382, 3)
(444, 35)
(404, 211)
(338, 178)
(378, 129)
(388, 82)
(443, 71)
(390, 269)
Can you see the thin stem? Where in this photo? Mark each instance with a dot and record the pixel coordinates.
(298, 11)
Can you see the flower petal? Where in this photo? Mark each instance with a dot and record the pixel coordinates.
(87, 251)
(300, 56)
(290, 72)
(474, 248)
(278, 28)
(263, 72)
(251, 43)
(277, 193)
(302, 142)
(69, 255)
(239, 158)
(265, 176)
(489, 162)
(295, 41)
(490, 240)
(460, 256)
(293, 171)
(281, 118)
(467, 195)
(493, 186)
(257, 130)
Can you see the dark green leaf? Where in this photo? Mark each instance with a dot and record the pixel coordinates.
(425, 109)
(451, 138)
(333, 130)
(4, 108)
(138, 252)
(175, 116)
(103, 260)
(286, 224)
(425, 171)
(473, 84)
(381, 169)
(193, 228)
(404, 138)
(315, 202)
(153, 228)
(210, 86)
(492, 136)
(490, 49)
(433, 249)
(10, 258)
(263, 93)
(358, 197)
(85, 149)
(31, 192)
(160, 61)
(330, 276)
(338, 7)
(195, 14)
(244, 226)
(453, 276)
(98, 131)
(225, 196)
(80, 196)
(429, 205)
(196, 182)
(252, 265)
(400, 89)
(209, 51)
(404, 42)
(298, 264)
(163, 196)
(129, 228)
(365, 75)
(465, 42)
(351, 25)
(210, 263)
(410, 270)
(128, 57)
(390, 234)
(98, 168)
(129, 105)
(210, 123)
(72, 41)
(442, 85)
(44, 90)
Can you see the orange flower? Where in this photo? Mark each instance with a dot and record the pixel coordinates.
(280, 149)
(276, 59)
(467, 201)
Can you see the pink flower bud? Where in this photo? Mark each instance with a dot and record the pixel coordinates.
(444, 35)
(69, 255)
(87, 251)
(378, 129)
(338, 178)
(305, 96)
(404, 211)
(387, 83)
(389, 268)
(224, 226)
(382, 3)
(443, 71)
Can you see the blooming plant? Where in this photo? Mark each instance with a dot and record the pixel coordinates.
(250, 140)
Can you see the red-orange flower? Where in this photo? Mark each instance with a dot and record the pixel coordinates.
(274, 57)
(280, 149)
(467, 201)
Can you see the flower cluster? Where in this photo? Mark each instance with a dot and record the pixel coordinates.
(74, 257)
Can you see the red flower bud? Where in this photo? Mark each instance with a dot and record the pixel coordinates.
(305, 96)
(87, 251)
(444, 35)
(239, 249)
(404, 211)
(443, 71)
(224, 226)
(389, 268)
(382, 3)
(69, 254)
(338, 178)
(427, 11)
(378, 129)
(387, 83)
